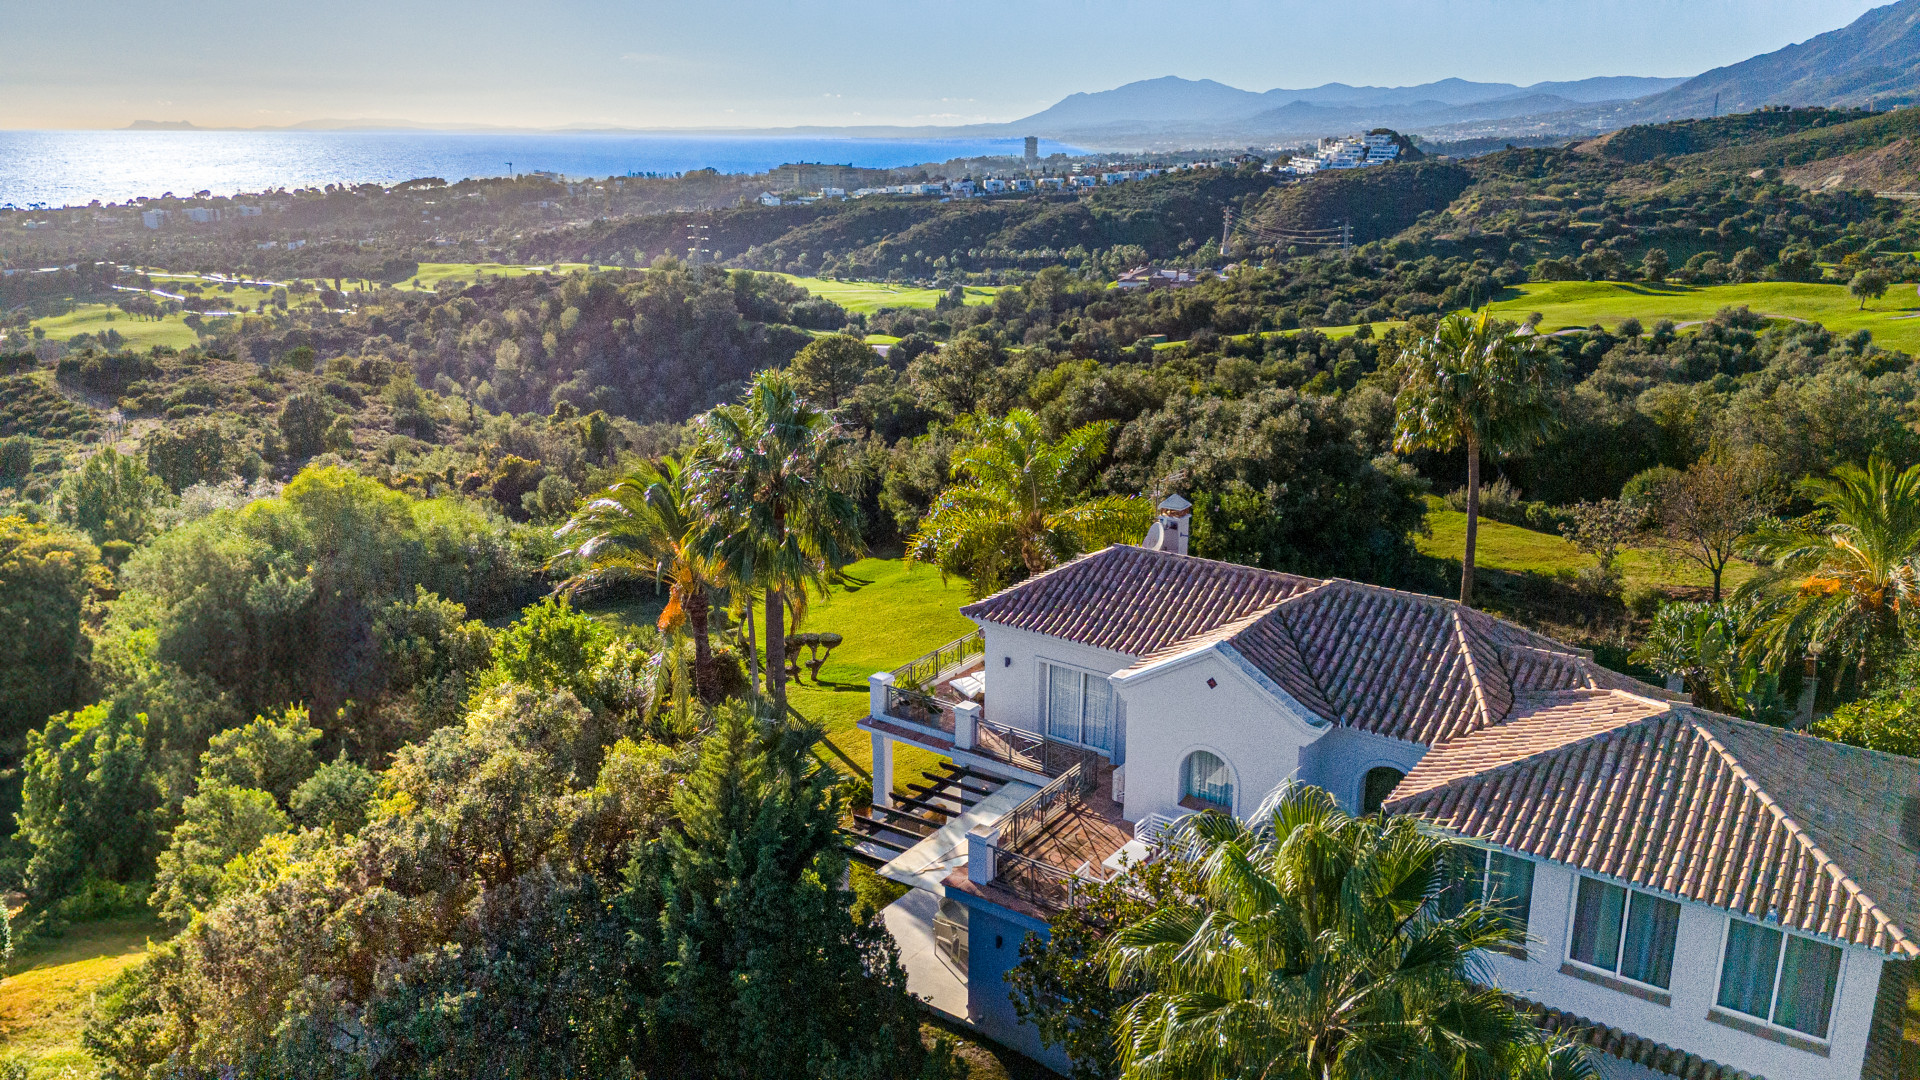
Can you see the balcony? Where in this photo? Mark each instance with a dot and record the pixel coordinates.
(1065, 836)
(939, 701)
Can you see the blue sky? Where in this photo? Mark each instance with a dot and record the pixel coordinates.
(679, 63)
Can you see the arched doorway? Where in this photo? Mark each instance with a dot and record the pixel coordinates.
(1379, 784)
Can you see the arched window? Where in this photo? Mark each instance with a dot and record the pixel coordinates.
(1205, 783)
(1379, 784)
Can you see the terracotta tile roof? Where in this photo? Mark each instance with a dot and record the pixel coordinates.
(1540, 722)
(1815, 835)
(1135, 601)
(1627, 1046)
(1393, 663)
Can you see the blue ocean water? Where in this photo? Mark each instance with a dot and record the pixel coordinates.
(70, 168)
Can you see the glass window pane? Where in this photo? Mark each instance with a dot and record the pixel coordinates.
(1510, 881)
(1808, 976)
(1467, 866)
(1063, 703)
(1746, 976)
(1204, 776)
(1651, 926)
(1596, 924)
(1099, 728)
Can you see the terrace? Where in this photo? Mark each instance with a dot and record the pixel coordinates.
(1065, 835)
(939, 701)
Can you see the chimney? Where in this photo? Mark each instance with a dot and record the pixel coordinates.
(1169, 531)
(1809, 686)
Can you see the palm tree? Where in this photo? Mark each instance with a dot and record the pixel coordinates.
(1017, 493)
(1845, 580)
(644, 525)
(772, 477)
(1477, 384)
(1322, 946)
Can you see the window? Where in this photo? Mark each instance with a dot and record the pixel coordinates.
(1205, 783)
(1079, 707)
(1378, 785)
(1782, 978)
(1502, 880)
(1624, 931)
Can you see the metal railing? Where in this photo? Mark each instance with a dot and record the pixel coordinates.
(1043, 807)
(1029, 750)
(922, 673)
(915, 707)
(1048, 886)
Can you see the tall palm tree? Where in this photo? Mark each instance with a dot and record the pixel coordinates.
(644, 525)
(772, 482)
(1845, 580)
(1322, 946)
(1015, 493)
(1476, 384)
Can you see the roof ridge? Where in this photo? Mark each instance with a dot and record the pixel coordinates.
(1666, 712)
(1455, 605)
(1473, 672)
(1697, 720)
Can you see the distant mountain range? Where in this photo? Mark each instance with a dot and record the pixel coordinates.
(1874, 61)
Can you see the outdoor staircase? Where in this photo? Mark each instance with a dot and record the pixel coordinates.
(880, 834)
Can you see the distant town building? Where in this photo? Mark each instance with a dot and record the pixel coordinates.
(1033, 152)
(1162, 277)
(1353, 152)
(768, 198)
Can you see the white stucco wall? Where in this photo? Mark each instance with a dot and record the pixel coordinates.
(1171, 711)
(1340, 762)
(1013, 659)
(1696, 975)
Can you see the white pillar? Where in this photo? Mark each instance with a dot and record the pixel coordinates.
(965, 716)
(981, 841)
(882, 770)
(877, 684)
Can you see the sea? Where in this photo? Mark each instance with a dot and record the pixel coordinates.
(41, 169)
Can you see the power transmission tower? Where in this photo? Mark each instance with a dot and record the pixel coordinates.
(1346, 237)
(1226, 234)
(696, 243)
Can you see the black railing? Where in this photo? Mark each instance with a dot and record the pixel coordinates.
(1048, 886)
(1043, 807)
(921, 674)
(915, 707)
(1029, 750)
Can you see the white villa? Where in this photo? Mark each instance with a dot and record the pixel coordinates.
(1704, 897)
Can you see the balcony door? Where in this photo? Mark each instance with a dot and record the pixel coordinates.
(1079, 707)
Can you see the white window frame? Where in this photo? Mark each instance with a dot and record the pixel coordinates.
(1773, 999)
(1045, 711)
(1620, 949)
(1487, 852)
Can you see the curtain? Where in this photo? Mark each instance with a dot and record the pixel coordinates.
(1596, 924)
(1063, 703)
(1746, 976)
(1205, 777)
(1099, 727)
(1651, 926)
(1808, 976)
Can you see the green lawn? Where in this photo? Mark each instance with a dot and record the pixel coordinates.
(1517, 550)
(888, 613)
(431, 274)
(870, 296)
(41, 1000)
(1894, 319)
(98, 318)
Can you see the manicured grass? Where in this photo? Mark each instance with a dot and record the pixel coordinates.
(1517, 550)
(1583, 303)
(42, 1000)
(868, 297)
(431, 274)
(889, 613)
(99, 318)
